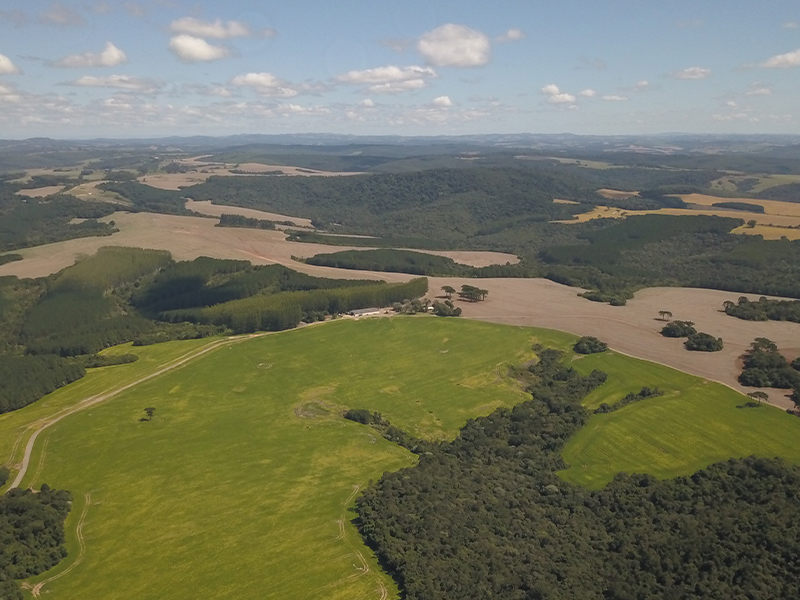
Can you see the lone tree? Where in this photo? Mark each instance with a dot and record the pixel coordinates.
(759, 396)
(665, 315)
(449, 291)
(149, 411)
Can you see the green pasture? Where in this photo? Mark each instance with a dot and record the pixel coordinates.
(241, 485)
(694, 424)
(237, 486)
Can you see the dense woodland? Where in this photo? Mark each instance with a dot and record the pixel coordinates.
(486, 516)
(512, 210)
(765, 366)
(51, 329)
(764, 310)
(31, 535)
(26, 222)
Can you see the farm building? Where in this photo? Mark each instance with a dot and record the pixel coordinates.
(364, 312)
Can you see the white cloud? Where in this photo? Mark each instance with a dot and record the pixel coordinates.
(791, 25)
(455, 46)
(266, 84)
(194, 49)
(759, 91)
(587, 93)
(111, 56)
(7, 67)
(556, 95)
(783, 61)
(219, 29)
(58, 14)
(561, 98)
(511, 35)
(614, 98)
(551, 89)
(122, 82)
(386, 74)
(641, 85)
(692, 73)
(367, 103)
(442, 101)
(398, 87)
(731, 103)
(389, 79)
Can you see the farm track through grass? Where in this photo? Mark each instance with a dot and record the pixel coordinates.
(241, 485)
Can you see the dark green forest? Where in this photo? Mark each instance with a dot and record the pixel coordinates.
(764, 310)
(486, 516)
(512, 209)
(52, 328)
(31, 535)
(26, 222)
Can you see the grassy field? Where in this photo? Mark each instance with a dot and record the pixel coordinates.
(695, 423)
(238, 486)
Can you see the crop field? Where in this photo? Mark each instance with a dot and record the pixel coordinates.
(778, 219)
(695, 423)
(240, 484)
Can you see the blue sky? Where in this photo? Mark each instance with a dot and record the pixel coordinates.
(94, 68)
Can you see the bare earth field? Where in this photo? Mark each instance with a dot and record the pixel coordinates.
(41, 192)
(779, 219)
(205, 207)
(189, 237)
(634, 329)
(204, 170)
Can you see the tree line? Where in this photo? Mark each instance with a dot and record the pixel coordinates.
(486, 516)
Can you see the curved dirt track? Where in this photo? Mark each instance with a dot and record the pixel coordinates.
(97, 399)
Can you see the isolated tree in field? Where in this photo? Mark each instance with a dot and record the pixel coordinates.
(759, 396)
(149, 411)
(448, 291)
(665, 315)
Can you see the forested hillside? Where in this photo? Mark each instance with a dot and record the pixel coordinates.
(486, 516)
(53, 327)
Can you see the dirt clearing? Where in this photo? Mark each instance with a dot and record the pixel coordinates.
(189, 237)
(633, 329)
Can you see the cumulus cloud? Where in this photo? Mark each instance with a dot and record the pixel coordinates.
(511, 35)
(783, 61)
(122, 82)
(194, 49)
(641, 85)
(442, 101)
(266, 84)
(587, 93)
(58, 14)
(455, 46)
(367, 103)
(111, 56)
(692, 73)
(759, 91)
(614, 98)
(7, 67)
(218, 30)
(390, 79)
(556, 95)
